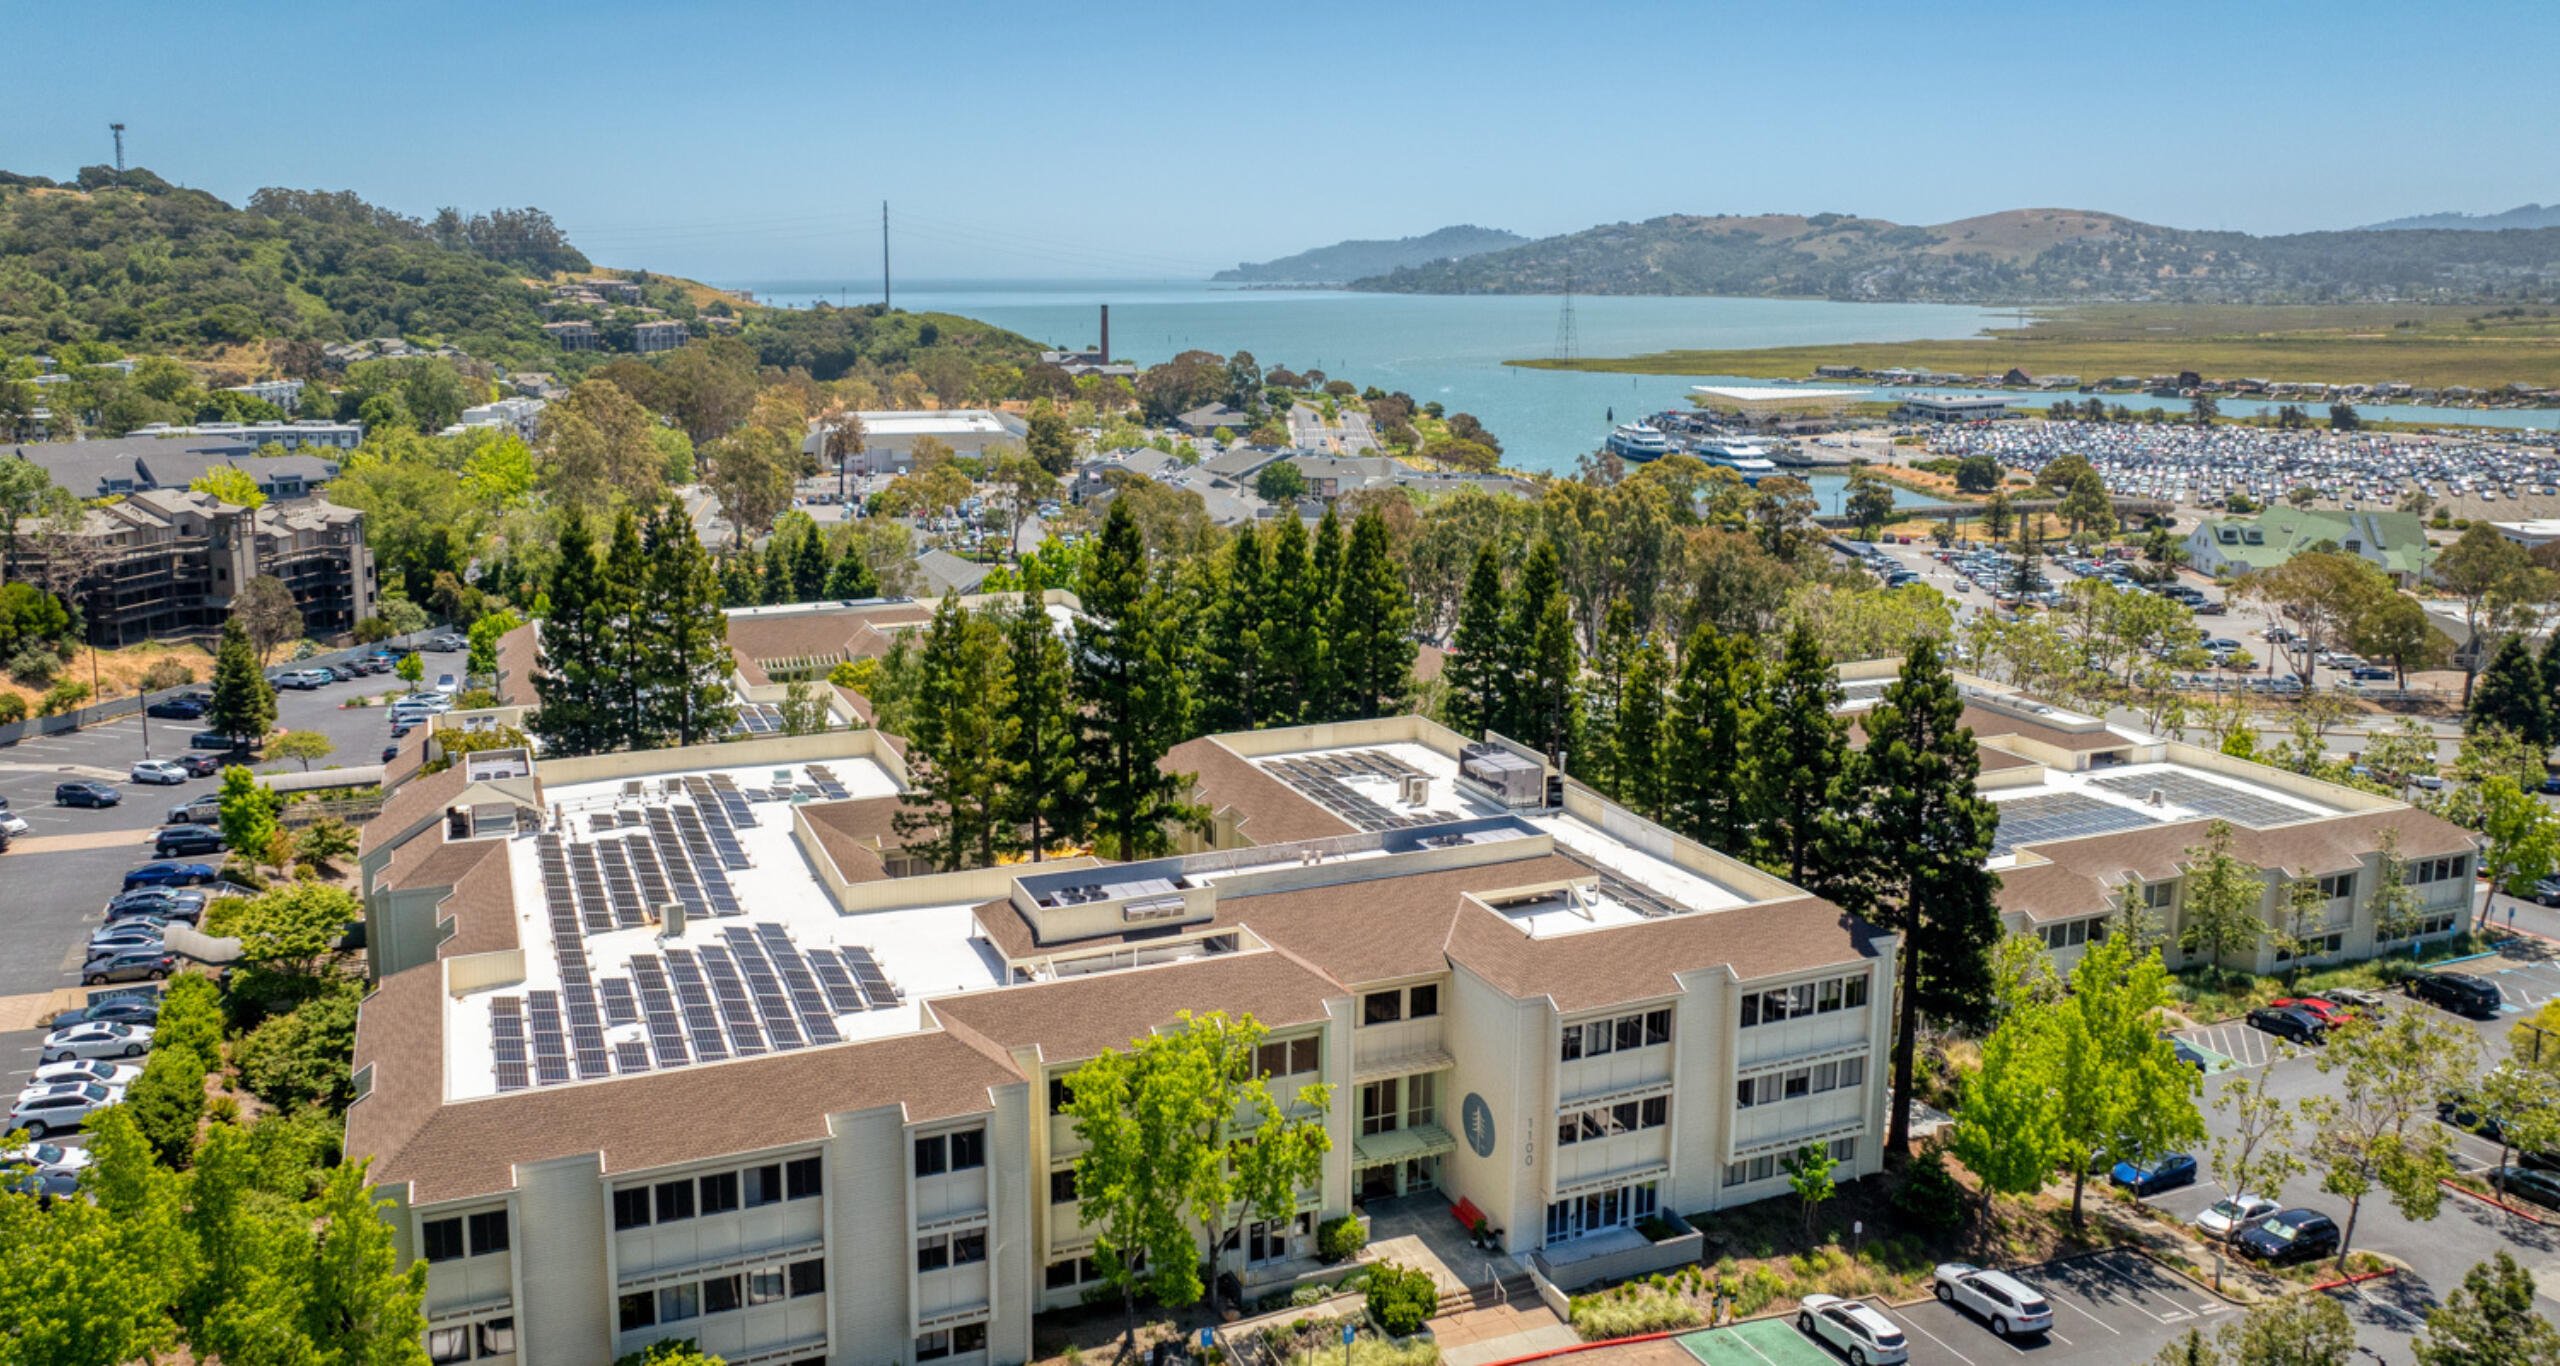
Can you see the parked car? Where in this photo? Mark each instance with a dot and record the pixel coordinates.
(2540, 1187)
(2190, 1055)
(2165, 1172)
(11, 823)
(43, 1110)
(371, 665)
(47, 1159)
(183, 707)
(158, 903)
(82, 792)
(222, 741)
(1865, 1336)
(98, 1040)
(135, 1009)
(203, 810)
(86, 1069)
(159, 771)
(2547, 891)
(447, 643)
(199, 765)
(187, 839)
(448, 684)
(132, 932)
(2287, 1022)
(2289, 1235)
(2358, 999)
(2460, 992)
(129, 965)
(2329, 1013)
(168, 874)
(2227, 1216)
(391, 751)
(2008, 1304)
(305, 679)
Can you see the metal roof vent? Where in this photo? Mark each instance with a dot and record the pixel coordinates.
(2157, 798)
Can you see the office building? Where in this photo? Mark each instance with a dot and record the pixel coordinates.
(166, 564)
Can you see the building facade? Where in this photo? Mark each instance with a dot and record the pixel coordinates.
(166, 564)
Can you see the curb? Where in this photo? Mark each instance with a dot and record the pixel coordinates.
(2323, 1287)
(1554, 1352)
(2493, 1202)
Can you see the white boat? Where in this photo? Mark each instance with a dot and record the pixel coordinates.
(1746, 458)
(1639, 441)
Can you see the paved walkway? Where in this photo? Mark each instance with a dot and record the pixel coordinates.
(89, 839)
(1476, 1336)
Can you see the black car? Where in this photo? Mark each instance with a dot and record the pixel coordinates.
(138, 1009)
(2288, 1022)
(2289, 1235)
(390, 752)
(187, 839)
(85, 793)
(2459, 992)
(183, 708)
(217, 740)
(2540, 1187)
(198, 765)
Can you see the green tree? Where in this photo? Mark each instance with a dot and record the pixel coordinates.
(679, 637)
(244, 704)
(1713, 708)
(1044, 796)
(1546, 653)
(410, 669)
(232, 485)
(1478, 697)
(2224, 900)
(959, 733)
(491, 628)
(289, 934)
(1232, 687)
(2497, 585)
(2085, 505)
(2489, 1320)
(248, 814)
(1977, 474)
(59, 1257)
(1133, 693)
(1280, 482)
(1250, 1154)
(305, 747)
(360, 1301)
(1799, 748)
(1869, 502)
(1809, 1170)
(266, 610)
(1642, 725)
(2513, 696)
(2522, 838)
(2375, 1125)
(1050, 440)
(2004, 1129)
(1296, 610)
(1372, 628)
(2254, 1155)
(2118, 1087)
(1128, 1116)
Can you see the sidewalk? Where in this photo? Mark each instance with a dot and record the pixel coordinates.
(1475, 1336)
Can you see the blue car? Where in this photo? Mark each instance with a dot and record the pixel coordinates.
(2167, 1172)
(169, 874)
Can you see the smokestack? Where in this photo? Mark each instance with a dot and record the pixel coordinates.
(1106, 334)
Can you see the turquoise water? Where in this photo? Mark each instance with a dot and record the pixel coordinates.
(1450, 348)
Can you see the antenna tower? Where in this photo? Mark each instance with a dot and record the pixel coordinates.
(118, 130)
(1568, 340)
(884, 256)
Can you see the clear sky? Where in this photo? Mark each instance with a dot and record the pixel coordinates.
(753, 140)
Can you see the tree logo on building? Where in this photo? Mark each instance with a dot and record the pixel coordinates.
(1477, 1117)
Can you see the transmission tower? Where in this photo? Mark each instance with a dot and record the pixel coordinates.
(118, 130)
(1568, 340)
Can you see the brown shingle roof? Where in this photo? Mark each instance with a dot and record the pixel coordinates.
(1267, 810)
(854, 833)
(1640, 962)
(2081, 872)
(420, 800)
(849, 631)
(518, 654)
(1078, 1017)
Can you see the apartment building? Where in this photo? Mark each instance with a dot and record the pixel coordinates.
(664, 1027)
(2096, 816)
(165, 564)
(659, 334)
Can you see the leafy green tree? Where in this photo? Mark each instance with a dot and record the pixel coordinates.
(1247, 1154)
(232, 485)
(1799, 748)
(1809, 1170)
(852, 578)
(360, 1301)
(2004, 1130)
(1280, 482)
(2374, 1125)
(1133, 694)
(2118, 1087)
(410, 669)
(2513, 696)
(1869, 504)
(1127, 1115)
(248, 814)
(2298, 1330)
(290, 933)
(1044, 796)
(302, 1057)
(58, 1258)
(1479, 697)
(1050, 439)
(2497, 585)
(1977, 474)
(1372, 629)
(305, 747)
(2223, 901)
(959, 734)
(1929, 837)
(1713, 708)
(2254, 1155)
(2489, 1320)
(244, 704)
(491, 628)
(2523, 837)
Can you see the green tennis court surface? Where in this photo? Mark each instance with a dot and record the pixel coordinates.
(1761, 1342)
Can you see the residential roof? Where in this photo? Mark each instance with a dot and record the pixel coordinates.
(1643, 961)
(2395, 540)
(2075, 877)
(1076, 1018)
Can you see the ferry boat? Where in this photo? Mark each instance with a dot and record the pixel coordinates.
(1746, 458)
(1639, 442)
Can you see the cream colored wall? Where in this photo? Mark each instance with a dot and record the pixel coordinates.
(772, 749)
(872, 1246)
(1503, 1049)
(564, 1300)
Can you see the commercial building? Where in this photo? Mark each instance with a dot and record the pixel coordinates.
(293, 436)
(138, 464)
(2096, 818)
(1762, 402)
(283, 393)
(663, 1047)
(166, 564)
(2395, 542)
(1952, 407)
(889, 438)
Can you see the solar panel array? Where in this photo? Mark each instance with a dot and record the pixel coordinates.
(2205, 796)
(2059, 816)
(1325, 779)
(753, 992)
(757, 718)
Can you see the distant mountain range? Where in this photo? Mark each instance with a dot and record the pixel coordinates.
(1352, 260)
(2016, 256)
(2521, 216)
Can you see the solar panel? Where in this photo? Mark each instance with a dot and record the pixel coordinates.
(2205, 796)
(632, 1056)
(843, 993)
(507, 1044)
(2059, 816)
(773, 1002)
(868, 975)
(550, 1042)
(815, 1017)
(693, 997)
(620, 1006)
(658, 1010)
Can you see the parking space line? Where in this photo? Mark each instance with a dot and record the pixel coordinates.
(1914, 1327)
(2089, 1316)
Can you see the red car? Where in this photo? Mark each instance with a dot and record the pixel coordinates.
(2329, 1013)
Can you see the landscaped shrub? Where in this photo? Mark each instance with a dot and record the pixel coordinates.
(167, 1100)
(1373, 1352)
(1309, 1295)
(1340, 1240)
(13, 708)
(301, 1058)
(34, 664)
(167, 673)
(1401, 1300)
(1629, 1310)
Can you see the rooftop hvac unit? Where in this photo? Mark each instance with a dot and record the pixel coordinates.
(671, 920)
(1414, 789)
(1515, 782)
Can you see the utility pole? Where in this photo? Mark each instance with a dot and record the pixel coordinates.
(118, 130)
(884, 256)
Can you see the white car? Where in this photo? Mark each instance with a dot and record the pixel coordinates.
(48, 1159)
(11, 823)
(1868, 1338)
(2233, 1213)
(448, 684)
(103, 1073)
(95, 1041)
(158, 771)
(2008, 1304)
(61, 1108)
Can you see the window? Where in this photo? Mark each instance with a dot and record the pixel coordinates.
(1060, 1095)
(639, 1310)
(1751, 1010)
(1059, 1275)
(675, 1201)
(1303, 1054)
(1571, 1047)
(1799, 1083)
(2338, 885)
(1630, 1033)
(968, 1150)
(1844, 1149)
(968, 1247)
(676, 1303)
(443, 1239)
(1760, 1168)
(800, 1178)
(1746, 1093)
(933, 1346)
(933, 1254)
(932, 1157)
(969, 1337)
(1382, 1007)
(1598, 1039)
(720, 1294)
(1656, 1112)
(1657, 1027)
(2071, 934)
(448, 1344)
(2156, 896)
(1062, 1187)
(498, 1336)
(631, 1207)
(1626, 1116)
(719, 1193)
(1828, 994)
(1421, 1100)
(764, 1185)
(1272, 1060)
(809, 1277)
(764, 1285)
(1422, 1002)
(488, 1232)
(1380, 1112)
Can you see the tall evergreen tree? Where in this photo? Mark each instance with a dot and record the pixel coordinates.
(1233, 689)
(960, 729)
(1605, 698)
(1325, 555)
(777, 572)
(1711, 712)
(1799, 747)
(1927, 836)
(2511, 696)
(1479, 693)
(572, 680)
(1547, 656)
(1133, 692)
(683, 636)
(741, 578)
(1292, 628)
(851, 577)
(1045, 795)
(809, 567)
(620, 640)
(1637, 756)
(1372, 635)
(244, 703)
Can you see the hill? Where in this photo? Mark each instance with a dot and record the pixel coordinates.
(2016, 256)
(2521, 216)
(1352, 260)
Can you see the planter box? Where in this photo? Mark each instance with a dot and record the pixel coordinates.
(1677, 1251)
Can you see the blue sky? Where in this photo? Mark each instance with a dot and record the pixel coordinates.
(754, 139)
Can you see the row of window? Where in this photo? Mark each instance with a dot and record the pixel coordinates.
(670, 1201)
(2338, 885)
(1286, 1057)
(1398, 1103)
(960, 1152)
(2071, 934)
(2319, 947)
(445, 1239)
(1767, 1165)
(1796, 1083)
(2434, 924)
(937, 1251)
(1625, 1034)
(492, 1338)
(1599, 1211)
(723, 1294)
(1802, 999)
(949, 1342)
(1410, 1003)
(1609, 1121)
(2424, 870)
